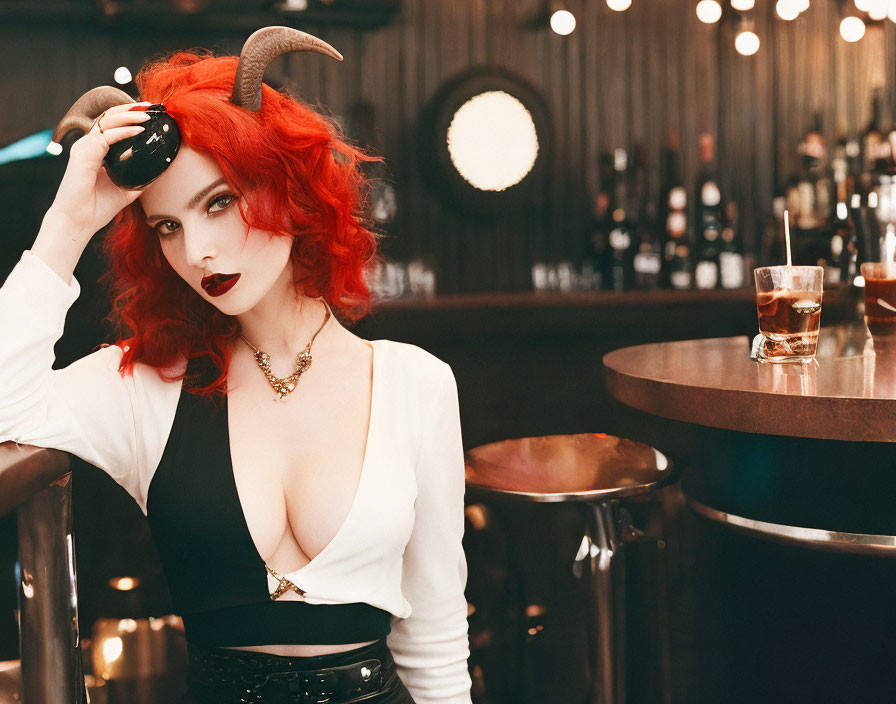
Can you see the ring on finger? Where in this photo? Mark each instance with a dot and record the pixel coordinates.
(99, 122)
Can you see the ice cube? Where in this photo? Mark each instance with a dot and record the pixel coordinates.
(805, 306)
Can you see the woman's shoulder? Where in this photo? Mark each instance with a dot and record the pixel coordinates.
(411, 356)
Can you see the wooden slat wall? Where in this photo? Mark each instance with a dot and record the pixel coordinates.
(620, 79)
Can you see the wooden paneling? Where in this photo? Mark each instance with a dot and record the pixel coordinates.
(619, 80)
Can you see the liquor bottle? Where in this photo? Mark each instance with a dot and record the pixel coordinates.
(362, 128)
(597, 257)
(621, 236)
(813, 204)
(673, 210)
(856, 243)
(772, 246)
(843, 234)
(647, 254)
(648, 261)
(840, 231)
(708, 217)
(680, 270)
(731, 259)
(872, 138)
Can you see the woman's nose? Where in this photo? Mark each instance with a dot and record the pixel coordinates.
(199, 245)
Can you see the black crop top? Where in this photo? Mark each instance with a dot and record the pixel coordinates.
(217, 579)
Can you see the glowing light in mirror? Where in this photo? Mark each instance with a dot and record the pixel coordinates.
(619, 5)
(563, 22)
(852, 29)
(746, 43)
(709, 11)
(743, 5)
(863, 5)
(492, 141)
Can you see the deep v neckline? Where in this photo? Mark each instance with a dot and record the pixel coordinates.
(355, 500)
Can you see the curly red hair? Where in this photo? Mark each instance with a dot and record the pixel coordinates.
(285, 160)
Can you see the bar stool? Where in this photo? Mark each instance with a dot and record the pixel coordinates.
(593, 471)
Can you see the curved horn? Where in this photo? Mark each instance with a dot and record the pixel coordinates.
(87, 108)
(260, 50)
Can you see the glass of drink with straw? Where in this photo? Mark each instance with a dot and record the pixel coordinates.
(788, 300)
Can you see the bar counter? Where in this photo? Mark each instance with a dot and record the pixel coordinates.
(660, 313)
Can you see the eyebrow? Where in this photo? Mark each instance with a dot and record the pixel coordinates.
(197, 199)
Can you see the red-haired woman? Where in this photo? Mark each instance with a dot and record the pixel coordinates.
(312, 545)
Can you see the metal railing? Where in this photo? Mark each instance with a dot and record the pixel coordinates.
(37, 483)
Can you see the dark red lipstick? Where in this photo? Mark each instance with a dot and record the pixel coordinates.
(218, 284)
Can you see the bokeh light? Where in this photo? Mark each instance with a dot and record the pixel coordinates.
(709, 11)
(787, 10)
(852, 29)
(563, 22)
(746, 43)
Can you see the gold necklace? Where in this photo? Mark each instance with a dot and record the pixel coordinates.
(303, 362)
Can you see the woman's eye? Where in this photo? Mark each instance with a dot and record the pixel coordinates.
(220, 202)
(166, 227)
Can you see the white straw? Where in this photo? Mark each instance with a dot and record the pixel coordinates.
(787, 236)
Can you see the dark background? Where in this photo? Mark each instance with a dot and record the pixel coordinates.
(525, 364)
(619, 79)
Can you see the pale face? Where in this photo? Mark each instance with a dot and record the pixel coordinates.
(196, 216)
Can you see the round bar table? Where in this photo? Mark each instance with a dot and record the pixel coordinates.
(804, 453)
(795, 466)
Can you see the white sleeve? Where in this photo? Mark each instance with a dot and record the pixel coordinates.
(431, 646)
(86, 409)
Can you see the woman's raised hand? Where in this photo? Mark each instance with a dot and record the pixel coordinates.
(87, 200)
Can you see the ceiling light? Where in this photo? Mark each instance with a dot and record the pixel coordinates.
(563, 22)
(743, 5)
(787, 10)
(122, 75)
(619, 5)
(852, 29)
(709, 11)
(746, 43)
(877, 9)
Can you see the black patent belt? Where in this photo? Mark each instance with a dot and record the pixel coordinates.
(250, 678)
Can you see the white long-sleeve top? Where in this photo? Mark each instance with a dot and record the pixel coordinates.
(121, 425)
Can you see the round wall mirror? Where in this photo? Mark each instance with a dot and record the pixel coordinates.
(484, 140)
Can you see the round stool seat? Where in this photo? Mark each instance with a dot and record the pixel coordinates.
(566, 468)
(591, 471)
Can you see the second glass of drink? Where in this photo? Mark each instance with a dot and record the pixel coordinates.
(788, 300)
(880, 304)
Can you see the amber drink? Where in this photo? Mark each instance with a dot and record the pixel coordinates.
(788, 301)
(880, 303)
